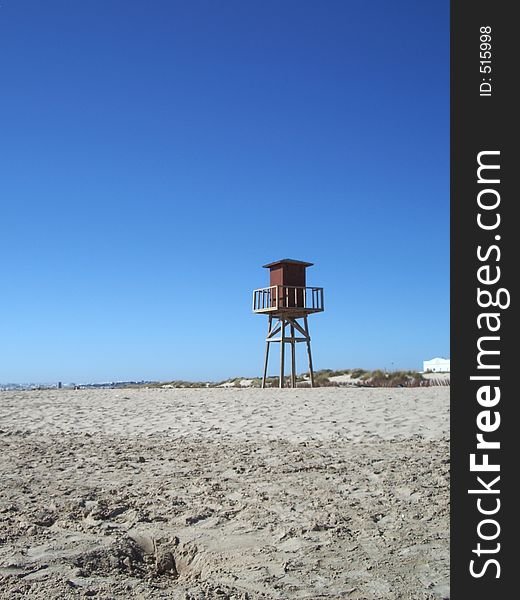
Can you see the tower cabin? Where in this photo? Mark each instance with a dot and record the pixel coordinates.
(288, 302)
(287, 292)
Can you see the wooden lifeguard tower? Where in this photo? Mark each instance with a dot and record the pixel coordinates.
(288, 303)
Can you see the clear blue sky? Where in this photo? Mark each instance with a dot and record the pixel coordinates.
(154, 155)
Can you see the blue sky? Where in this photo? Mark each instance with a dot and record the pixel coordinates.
(154, 155)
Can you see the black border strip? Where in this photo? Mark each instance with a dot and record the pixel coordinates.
(483, 123)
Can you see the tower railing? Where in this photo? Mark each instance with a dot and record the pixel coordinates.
(285, 297)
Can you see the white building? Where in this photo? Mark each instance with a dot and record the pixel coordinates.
(437, 365)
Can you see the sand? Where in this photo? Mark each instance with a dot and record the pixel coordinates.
(225, 493)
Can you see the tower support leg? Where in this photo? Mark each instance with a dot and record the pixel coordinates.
(308, 342)
(267, 343)
(293, 358)
(282, 351)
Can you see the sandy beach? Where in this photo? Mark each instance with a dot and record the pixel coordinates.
(225, 493)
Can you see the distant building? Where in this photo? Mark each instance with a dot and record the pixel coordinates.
(437, 365)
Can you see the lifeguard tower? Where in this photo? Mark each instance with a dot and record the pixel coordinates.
(288, 302)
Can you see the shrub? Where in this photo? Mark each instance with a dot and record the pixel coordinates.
(356, 373)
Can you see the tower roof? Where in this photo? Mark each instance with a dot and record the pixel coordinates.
(289, 261)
